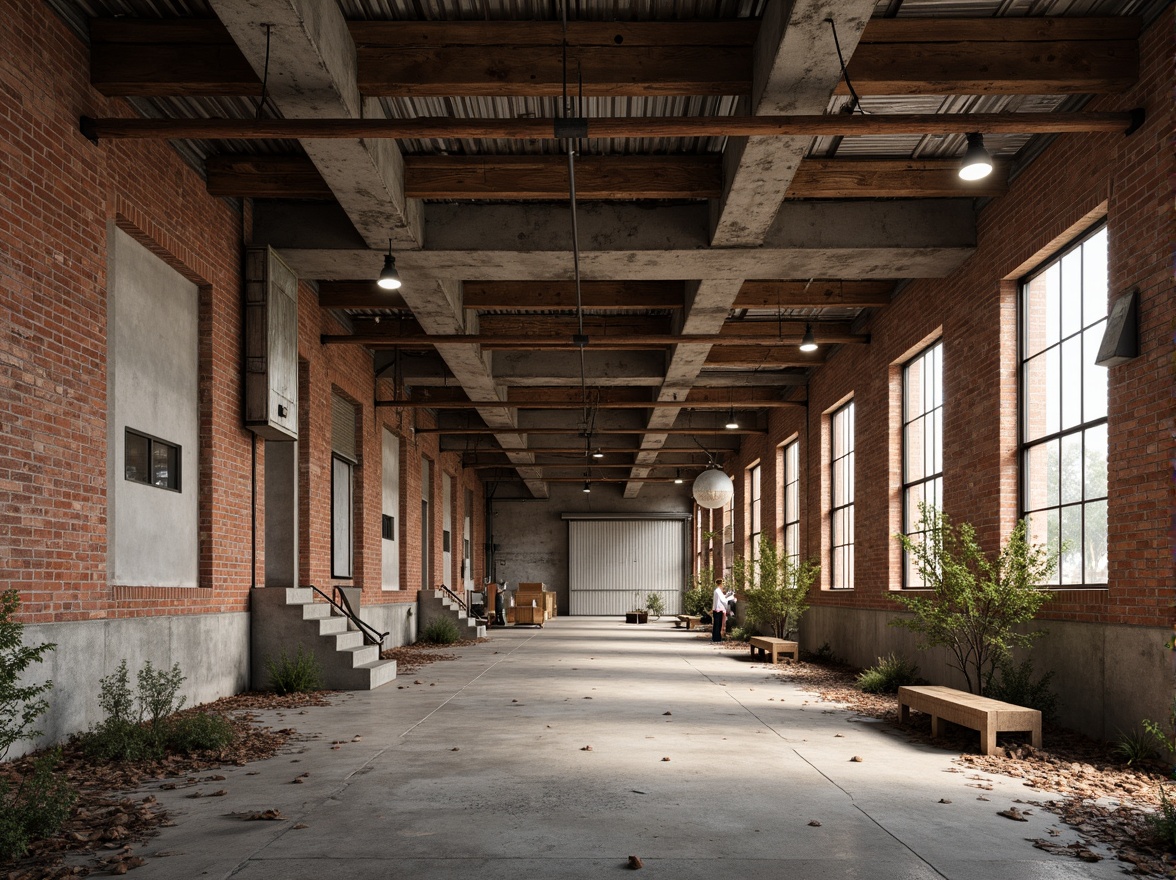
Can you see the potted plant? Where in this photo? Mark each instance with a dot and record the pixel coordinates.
(639, 614)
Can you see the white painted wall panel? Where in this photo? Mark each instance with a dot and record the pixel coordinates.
(614, 564)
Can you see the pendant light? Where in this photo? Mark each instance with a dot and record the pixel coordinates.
(389, 278)
(977, 163)
(713, 488)
(732, 425)
(598, 453)
(809, 342)
(587, 487)
(678, 481)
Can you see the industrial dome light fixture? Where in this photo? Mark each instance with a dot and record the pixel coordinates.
(678, 481)
(732, 425)
(587, 487)
(598, 453)
(713, 489)
(389, 278)
(809, 342)
(977, 163)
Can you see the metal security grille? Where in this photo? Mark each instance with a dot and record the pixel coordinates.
(613, 565)
(343, 428)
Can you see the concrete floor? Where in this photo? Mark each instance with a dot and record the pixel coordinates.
(480, 771)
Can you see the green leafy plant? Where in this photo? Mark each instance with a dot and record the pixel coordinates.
(698, 596)
(1166, 739)
(1136, 746)
(774, 588)
(20, 707)
(654, 605)
(118, 736)
(36, 808)
(441, 631)
(976, 604)
(1163, 823)
(1017, 685)
(199, 732)
(891, 673)
(295, 675)
(739, 633)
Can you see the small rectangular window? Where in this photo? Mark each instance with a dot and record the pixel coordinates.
(341, 520)
(152, 461)
(754, 510)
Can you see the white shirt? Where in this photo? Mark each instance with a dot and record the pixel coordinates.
(720, 600)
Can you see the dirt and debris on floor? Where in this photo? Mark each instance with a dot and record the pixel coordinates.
(1104, 800)
(412, 658)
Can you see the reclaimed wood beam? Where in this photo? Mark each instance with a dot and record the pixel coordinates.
(891, 179)
(544, 295)
(816, 294)
(116, 128)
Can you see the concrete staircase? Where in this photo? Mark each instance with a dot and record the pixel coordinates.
(437, 603)
(283, 619)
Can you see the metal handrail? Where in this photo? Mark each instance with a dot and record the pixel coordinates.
(461, 603)
(371, 636)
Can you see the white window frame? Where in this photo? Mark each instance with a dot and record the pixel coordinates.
(841, 497)
(922, 437)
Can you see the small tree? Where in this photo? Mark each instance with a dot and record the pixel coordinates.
(20, 707)
(698, 596)
(776, 588)
(975, 603)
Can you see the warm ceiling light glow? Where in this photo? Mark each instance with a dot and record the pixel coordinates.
(598, 453)
(678, 481)
(732, 425)
(809, 342)
(389, 278)
(587, 487)
(977, 163)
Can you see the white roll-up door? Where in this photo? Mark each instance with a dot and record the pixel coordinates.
(614, 564)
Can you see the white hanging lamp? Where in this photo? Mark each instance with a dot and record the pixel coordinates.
(713, 489)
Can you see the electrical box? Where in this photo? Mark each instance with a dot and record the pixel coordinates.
(271, 345)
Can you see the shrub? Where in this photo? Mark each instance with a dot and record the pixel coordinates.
(37, 808)
(654, 605)
(975, 604)
(891, 673)
(441, 631)
(1136, 746)
(739, 633)
(20, 707)
(137, 725)
(199, 732)
(1016, 685)
(295, 675)
(698, 596)
(1163, 823)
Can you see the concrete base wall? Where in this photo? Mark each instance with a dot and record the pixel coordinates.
(400, 621)
(212, 650)
(1108, 677)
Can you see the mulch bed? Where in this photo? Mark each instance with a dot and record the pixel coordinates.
(413, 658)
(1106, 801)
(107, 825)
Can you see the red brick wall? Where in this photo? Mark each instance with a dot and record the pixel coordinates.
(58, 191)
(1077, 180)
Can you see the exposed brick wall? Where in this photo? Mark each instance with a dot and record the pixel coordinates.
(1076, 181)
(58, 192)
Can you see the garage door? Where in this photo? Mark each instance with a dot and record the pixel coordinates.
(613, 564)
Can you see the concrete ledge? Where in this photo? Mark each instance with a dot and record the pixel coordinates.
(212, 650)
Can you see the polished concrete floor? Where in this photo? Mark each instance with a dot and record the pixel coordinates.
(560, 752)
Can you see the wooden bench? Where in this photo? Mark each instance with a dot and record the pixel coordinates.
(775, 647)
(691, 620)
(969, 710)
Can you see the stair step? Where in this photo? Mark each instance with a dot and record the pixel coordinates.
(347, 640)
(380, 672)
(329, 626)
(316, 611)
(362, 654)
(299, 595)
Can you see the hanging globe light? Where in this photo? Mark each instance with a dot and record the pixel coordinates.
(713, 488)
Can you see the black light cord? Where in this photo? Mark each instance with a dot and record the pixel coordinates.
(264, 72)
(857, 102)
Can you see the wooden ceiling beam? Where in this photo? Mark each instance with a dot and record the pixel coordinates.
(763, 356)
(546, 177)
(544, 295)
(599, 432)
(570, 403)
(493, 327)
(846, 125)
(1049, 55)
(891, 179)
(816, 294)
(358, 295)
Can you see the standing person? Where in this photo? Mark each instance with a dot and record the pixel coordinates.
(719, 609)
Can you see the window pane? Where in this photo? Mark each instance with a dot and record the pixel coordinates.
(340, 518)
(1071, 380)
(1094, 278)
(1094, 377)
(1043, 529)
(1071, 472)
(1072, 544)
(136, 458)
(1095, 464)
(1072, 292)
(1041, 395)
(1096, 542)
(1041, 475)
(913, 450)
(164, 465)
